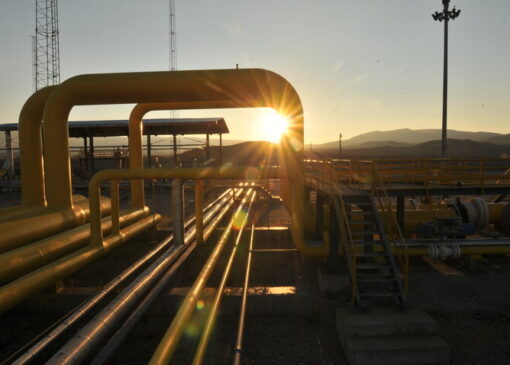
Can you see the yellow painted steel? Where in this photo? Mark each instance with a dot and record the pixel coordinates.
(227, 173)
(18, 290)
(199, 211)
(114, 192)
(31, 162)
(43, 222)
(173, 334)
(223, 88)
(39, 253)
(136, 131)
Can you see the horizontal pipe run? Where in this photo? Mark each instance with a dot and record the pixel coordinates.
(96, 236)
(174, 333)
(14, 292)
(213, 313)
(44, 222)
(116, 340)
(32, 256)
(242, 315)
(30, 354)
(83, 343)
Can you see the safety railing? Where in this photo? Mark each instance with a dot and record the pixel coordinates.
(422, 172)
(393, 230)
(347, 240)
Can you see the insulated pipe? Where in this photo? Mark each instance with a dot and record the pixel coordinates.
(30, 354)
(30, 211)
(242, 315)
(45, 222)
(211, 319)
(81, 345)
(14, 292)
(246, 88)
(174, 333)
(133, 318)
(32, 256)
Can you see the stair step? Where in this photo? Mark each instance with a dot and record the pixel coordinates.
(371, 254)
(359, 212)
(355, 222)
(379, 295)
(376, 280)
(373, 267)
(364, 232)
(368, 243)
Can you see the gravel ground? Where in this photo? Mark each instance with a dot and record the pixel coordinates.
(472, 310)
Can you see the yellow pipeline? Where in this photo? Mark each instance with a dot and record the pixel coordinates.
(18, 290)
(44, 222)
(228, 173)
(199, 211)
(136, 131)
(245, 88)
(31, 162)
(37, 254)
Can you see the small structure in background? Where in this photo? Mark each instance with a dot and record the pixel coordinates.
(89, 156)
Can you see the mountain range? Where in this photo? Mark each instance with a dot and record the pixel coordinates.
(408, 137)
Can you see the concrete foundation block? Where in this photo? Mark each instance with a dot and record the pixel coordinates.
(387, 335)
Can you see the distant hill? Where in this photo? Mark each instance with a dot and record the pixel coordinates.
(252, 153)
(412, 137)
(501, 139)
(456, 148)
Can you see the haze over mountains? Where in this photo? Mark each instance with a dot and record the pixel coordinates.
(409, 137)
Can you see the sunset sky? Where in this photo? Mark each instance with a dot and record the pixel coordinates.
(357, 65)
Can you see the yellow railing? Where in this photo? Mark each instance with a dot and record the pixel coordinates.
(346, 239)
(393, 230)
(423, 172)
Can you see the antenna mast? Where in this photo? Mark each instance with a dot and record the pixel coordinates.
(46, 45)
(173, 47)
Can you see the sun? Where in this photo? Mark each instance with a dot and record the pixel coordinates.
(274, 126)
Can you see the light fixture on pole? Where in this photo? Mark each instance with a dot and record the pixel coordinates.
(445, 16)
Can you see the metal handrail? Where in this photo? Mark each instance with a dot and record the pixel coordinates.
(395, 233)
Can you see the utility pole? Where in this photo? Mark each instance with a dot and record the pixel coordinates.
(340, 145)
(173, 46)
(445, 16)
(46, 45)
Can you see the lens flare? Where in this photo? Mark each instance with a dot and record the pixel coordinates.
(200, 305)
(239, 219)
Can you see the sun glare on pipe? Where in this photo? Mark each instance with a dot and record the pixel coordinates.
(274, 125)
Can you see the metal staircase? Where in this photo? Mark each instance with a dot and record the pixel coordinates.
(372, 265)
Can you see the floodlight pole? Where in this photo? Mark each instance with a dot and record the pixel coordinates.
(445, 15)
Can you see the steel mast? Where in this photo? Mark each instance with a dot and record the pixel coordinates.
(46, 44)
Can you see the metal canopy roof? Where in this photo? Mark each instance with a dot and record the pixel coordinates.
(112, 128)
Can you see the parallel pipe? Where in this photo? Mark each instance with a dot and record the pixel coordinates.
(213, 313)
(245, 88)
(80, 346)
(116, 340)
(14, 292)
(37, 348)
(242, 315)
(32, 256)
(41, 223)
(233, 173)
(174, 333)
